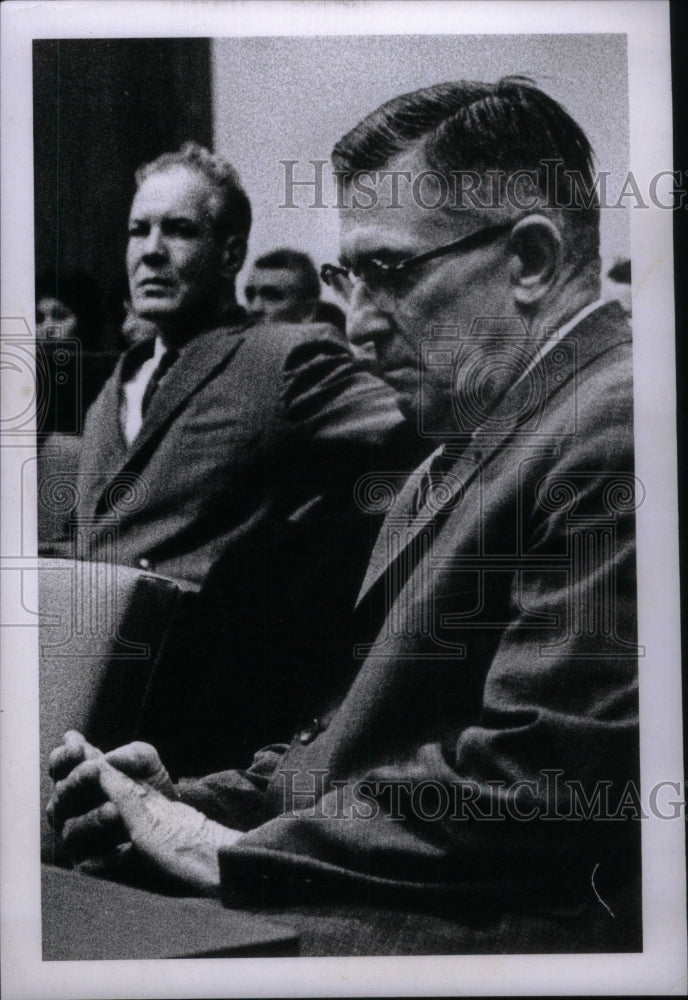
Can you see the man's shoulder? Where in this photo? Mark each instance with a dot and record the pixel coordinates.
(107, 396)
(284, 338)
(588, 379)
(604, 380)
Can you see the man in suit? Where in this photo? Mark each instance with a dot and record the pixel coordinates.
(216, 426)
(482, 762)
(222, 453)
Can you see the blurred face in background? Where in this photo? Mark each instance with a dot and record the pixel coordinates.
(55, 320)
(276, 294)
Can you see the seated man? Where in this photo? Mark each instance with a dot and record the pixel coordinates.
(222, 453)
(481, 760)
(218, 427)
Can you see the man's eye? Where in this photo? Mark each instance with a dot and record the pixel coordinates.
(136, 229)
(180, 228)
(380, 272)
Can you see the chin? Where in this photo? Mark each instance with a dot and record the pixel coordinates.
(154, 311)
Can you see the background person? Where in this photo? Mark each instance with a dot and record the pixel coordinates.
(204, 420)
(68, 306)
(284, 286)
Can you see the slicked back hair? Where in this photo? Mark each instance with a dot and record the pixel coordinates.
(297, 261)
(506, 127)
(233, 216)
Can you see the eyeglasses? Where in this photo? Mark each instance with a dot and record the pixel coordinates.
(379, 277)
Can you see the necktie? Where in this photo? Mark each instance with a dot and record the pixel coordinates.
(164, 365)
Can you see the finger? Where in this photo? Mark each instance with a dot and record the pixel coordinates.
(155, 825)
(74, 738)
(72, 751)
(64, 759)
(96, 832)
(142, 762)
(125, 792)
(75, 794)
(125, 864)
(116, 864)
(138, 760)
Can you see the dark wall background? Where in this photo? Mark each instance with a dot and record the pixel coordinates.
(101, 108)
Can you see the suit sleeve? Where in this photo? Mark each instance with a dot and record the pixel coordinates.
(339, 409)
(541, 788)
(234, 798)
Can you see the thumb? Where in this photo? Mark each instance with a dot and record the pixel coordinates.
(182, 843)
(132, 798)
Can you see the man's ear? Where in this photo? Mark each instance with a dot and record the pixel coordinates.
(233, 255)
(536, 245)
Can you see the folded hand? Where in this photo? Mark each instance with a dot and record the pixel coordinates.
(97, 807)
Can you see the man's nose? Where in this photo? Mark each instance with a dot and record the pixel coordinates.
(256, 305)
(366, 323)
(154, 243)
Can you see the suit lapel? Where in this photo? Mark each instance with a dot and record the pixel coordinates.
(404, 527)
(401, 527)
(104, 446)
(112, 446)
(196, 364)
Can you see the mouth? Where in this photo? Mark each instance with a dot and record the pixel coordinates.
(153, 284)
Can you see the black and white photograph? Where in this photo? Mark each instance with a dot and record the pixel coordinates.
(340, 586)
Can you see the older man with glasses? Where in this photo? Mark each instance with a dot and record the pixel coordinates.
(482, 763)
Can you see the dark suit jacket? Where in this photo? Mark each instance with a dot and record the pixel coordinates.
(250, 424)
(498, 694)
(241, 479)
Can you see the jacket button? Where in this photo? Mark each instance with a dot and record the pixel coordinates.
(144, 564)
(309, 732)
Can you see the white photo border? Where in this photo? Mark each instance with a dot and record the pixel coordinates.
(661, 968)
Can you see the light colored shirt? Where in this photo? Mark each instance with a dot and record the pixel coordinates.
(132, 393)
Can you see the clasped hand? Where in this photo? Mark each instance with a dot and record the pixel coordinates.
(124, 802)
